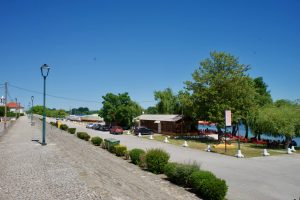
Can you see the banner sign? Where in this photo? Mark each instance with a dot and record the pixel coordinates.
(227, 117)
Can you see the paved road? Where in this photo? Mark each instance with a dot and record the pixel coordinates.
(70, 168)
(275, 177)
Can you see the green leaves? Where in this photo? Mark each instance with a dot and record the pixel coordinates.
(219, 84)
(119, 108)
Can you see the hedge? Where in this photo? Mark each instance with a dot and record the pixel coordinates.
(135, 154)
(156, 159)
(180, 173)
(72, 130)
(120, 150)
(64, 127)
(83, 136)
(207, 186)
(96, 141)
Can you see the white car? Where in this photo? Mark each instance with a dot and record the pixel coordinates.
(89, 125)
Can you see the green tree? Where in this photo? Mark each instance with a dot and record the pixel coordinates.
(2, 111)
(167, 101)
(263, 96)
(221, 83)
(119, 109)
(151, 110)
(280, 119)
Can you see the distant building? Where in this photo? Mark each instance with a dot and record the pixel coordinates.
(14, 107)
(85, 118)
(169, 124)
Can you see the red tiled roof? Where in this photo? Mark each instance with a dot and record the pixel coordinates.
(14, 105)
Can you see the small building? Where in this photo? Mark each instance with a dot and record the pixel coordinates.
(14, 107)
(168, 124)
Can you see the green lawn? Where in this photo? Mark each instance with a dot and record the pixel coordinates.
(248, 149)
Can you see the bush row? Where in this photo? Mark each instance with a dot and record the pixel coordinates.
(203, 183)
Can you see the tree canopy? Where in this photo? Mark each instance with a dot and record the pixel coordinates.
(38, 109)
(222, 83)
(279, 119)
(167, 101)
(119, 109)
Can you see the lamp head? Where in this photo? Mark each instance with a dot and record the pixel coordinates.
(45, 70)
(32, 97)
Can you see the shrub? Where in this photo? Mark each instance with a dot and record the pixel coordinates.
(126, 155)
(135, 154)
(206, 185)
(142, 162)
(64, 127)
(156, 159)
(180, 173)
(53, 123)
(120, 150)
(96, 141)
(71, 130)
(83, 136)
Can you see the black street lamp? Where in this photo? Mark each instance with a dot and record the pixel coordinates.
(32, 98)
(44, 71)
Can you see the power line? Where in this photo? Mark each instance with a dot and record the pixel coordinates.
(54, 96)
(67, 98)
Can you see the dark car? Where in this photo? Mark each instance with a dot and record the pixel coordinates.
(105, 128)
(95, 126)
(98, 127)
(143, 130)
(116, 130)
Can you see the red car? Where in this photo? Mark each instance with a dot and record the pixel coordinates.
(116, 130)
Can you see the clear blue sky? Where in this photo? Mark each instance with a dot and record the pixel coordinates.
(95, 47)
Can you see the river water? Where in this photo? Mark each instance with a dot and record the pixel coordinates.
(242, 133)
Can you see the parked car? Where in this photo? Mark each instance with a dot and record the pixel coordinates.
(95, 126)
(143, 130)
(98, 127)
(116, 130)
(105, 128)
(90, 125)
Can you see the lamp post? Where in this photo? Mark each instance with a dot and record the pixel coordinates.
(32, 98)
(44, 71)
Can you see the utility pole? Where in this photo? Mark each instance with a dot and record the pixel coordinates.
(16, 111)
(5, 107)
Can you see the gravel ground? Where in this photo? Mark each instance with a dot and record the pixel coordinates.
(69, 168)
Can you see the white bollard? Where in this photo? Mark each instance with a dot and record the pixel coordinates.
(239, 154)
(185, 144)
(293, 149)
(266, 153)
(151, 137)
(289, 151)
(166, 140)
(140, 135)
(208, 148)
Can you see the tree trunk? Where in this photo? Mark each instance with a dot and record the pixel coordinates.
(258, 136)
(288, 141)
(247, 130)
(234, 130)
